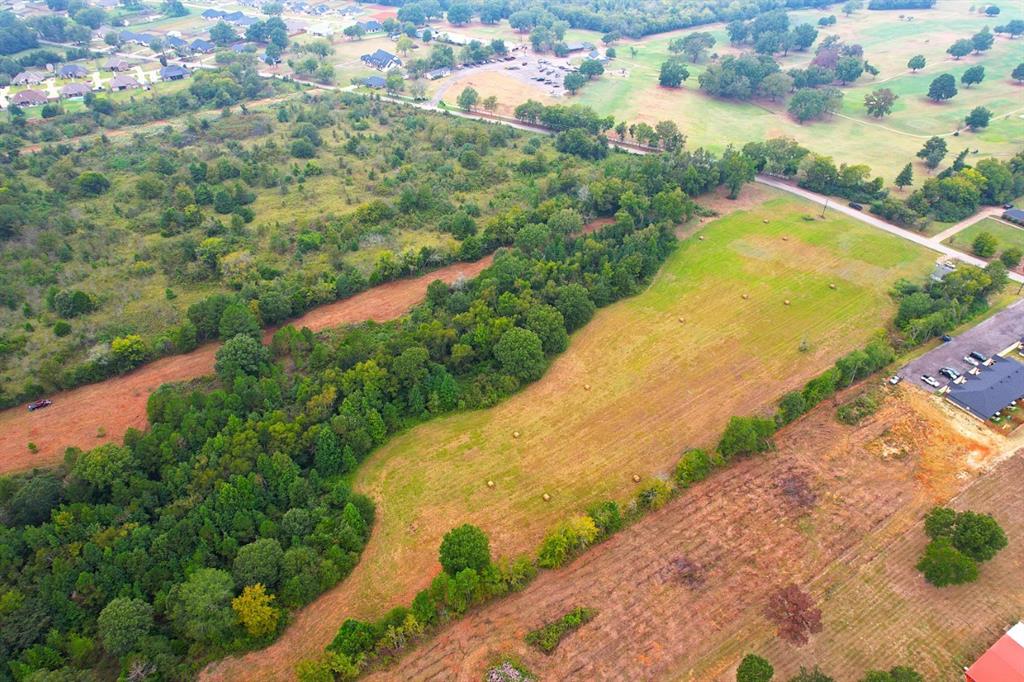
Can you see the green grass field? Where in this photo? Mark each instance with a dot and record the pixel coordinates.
(657, 385)
(1006, 235)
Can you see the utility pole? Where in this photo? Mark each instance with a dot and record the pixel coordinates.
(823, 207)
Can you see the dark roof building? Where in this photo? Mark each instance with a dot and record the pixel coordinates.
(28, 98)
(200, 45)
(992, 390)
(1014, 215)
(175, 41)
(118, 65)
(173, 72)
(375, 82)
(382, 60)
(137, 38)
(74, 90)
(371, 26)
(213, 14)
(73, 71)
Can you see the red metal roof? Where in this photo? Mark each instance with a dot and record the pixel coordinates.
(1003, 662)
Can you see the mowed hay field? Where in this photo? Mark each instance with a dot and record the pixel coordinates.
(822, 504)
(852, 136)
(658, 386)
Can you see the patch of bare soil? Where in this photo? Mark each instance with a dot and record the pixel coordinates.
(100, 413)
(682, 593)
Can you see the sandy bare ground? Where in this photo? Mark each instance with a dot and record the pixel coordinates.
(118, 404)
(747, 535)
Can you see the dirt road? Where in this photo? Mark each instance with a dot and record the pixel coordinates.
(102, 412)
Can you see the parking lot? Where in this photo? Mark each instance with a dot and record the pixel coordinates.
(992, 336)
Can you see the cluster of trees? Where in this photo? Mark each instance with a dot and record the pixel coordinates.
(958, 191)
(981, 41)
(934, 308)
(959, 542)
(770, 33)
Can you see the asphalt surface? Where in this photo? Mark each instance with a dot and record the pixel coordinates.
(992, 336)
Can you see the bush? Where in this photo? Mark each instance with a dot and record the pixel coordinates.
(521, 354)
(546, 639)
(746, 436)
(853, 411)
(354, 638)
(753, 668)
(900, 673)
(61, 328)
(653, 495)
(978, 536)
(465, 547)
(568, 538)
(694, 466)
(607, 517)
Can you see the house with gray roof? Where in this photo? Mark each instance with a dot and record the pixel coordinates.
(995, 388)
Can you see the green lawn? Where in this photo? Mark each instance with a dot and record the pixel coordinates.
(657, 385)
(1006, 234)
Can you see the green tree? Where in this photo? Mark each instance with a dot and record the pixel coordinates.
(123, 624)
(573, 82)
(810, 675)
(673, 73)
(33, 502)
(916, 62)
(983, 40)
(460, 13)
(943, 564)
(591, 68)
(978, 536)
(128, 352)
(978, 118)
(394, 82)
(468, 99)
(1018, 73)
(92, 184)
(258, 562)
(574, 302)
(240, 355)
(521, 354)
(693, 45)
(905, 178)
(464, 547)
(222, 34)
(992, 10)
(548, 324)
(1011, 257)
(933, 151)
(973, 75)
(775, 86)
(200, 607)
(237, 319)
(328, 454)
(960, 48)
(852, 6)
(880, 102)
(737, 169)
(745, 436)
(254, 611)
(849, 69)
(753, 668)
(984, 245)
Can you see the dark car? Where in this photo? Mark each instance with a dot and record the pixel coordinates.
(39, 404)
(1007, 206)
(946, 338)
(950, 373)
(855, 206)
(977, 356)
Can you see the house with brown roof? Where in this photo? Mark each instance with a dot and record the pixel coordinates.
(123, 82)
(28, 78)
(117, 64)
(73, 90)
(28, 98)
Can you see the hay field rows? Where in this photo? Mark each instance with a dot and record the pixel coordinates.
(658, 386)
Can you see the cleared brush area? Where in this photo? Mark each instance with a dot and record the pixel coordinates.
(682, 593)
(657, 386)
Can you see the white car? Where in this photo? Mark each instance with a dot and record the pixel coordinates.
(930, 380)
(895, 379)
(971, 361)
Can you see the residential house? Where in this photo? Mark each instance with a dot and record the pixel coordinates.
(375, 82)
(74, 90)
(213, 14)
(72, 71)
(173, 72)
(28, 98)
(123, 82)
(439, 73)
(382, 60)
(202, 46)
(1014, 215)
(371, 26)
(176, 43)
(118, 64)
(28, 78)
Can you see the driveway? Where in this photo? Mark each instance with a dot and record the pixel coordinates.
(989, 337)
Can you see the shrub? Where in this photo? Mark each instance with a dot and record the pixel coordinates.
(853, 411)
(607, 517)
(745, 436)
(465, 547)
(61, 328)
(753, 668)
(900, 673)
(694, 466)
(653, 495)
(978, 536)
(354, 638)
(547, 638)
(793, 612)
(568, 538)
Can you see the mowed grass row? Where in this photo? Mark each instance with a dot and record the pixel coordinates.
(657, 386)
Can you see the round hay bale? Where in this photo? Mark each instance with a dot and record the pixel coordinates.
(636, 478)
(490, 484)
(831, 285)
(701, 237)
(515, 434)
(786, 301)
(785, 239)
(547, 498)
(682, 320)
(765, 221)
(586, 387)
(746, 296)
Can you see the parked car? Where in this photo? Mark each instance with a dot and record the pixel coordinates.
(978, 356)
(895, 379)
(1007, 206)
(930, 380)
(950, 373)
(971, 361)
(39, 404)
(946, 338)
(855, 206)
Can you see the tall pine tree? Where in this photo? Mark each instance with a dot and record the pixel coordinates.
(905, 178)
